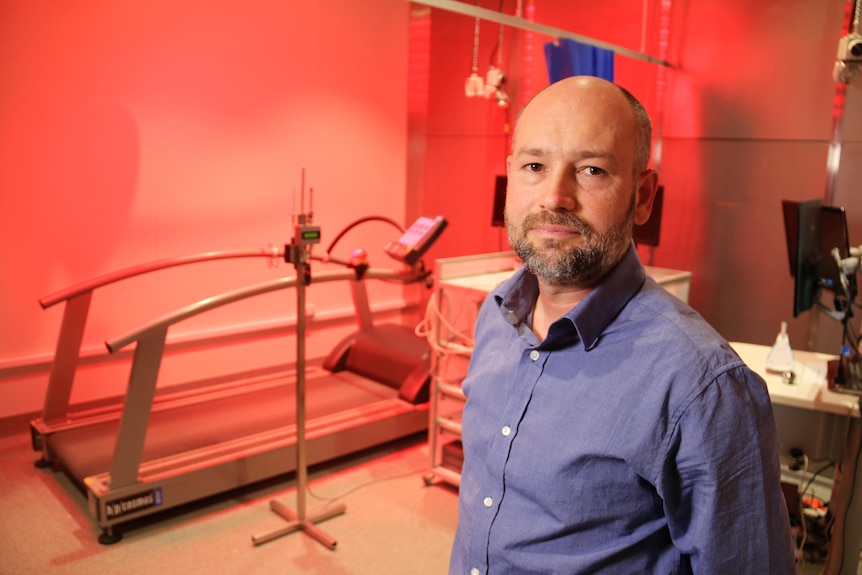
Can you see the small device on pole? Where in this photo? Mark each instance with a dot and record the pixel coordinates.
(298, 252)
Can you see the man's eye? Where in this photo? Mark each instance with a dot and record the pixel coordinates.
(534, 167)
(592, 171)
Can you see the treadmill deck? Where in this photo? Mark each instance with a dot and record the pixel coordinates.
(200, 448)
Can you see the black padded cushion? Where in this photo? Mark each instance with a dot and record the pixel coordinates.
(388, 354)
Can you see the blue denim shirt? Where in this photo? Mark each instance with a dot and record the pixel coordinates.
(631, 440)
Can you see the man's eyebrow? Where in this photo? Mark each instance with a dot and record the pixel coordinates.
(531, 152)
(596, 154)
(584, 155)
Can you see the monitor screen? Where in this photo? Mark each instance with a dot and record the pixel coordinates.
(802, 231)
(498, 218)
(649, 232)
(791, 222)
(812, 230)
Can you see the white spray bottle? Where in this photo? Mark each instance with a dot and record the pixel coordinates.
(780, 358)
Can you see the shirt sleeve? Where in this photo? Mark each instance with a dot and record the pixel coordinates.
(721, 480)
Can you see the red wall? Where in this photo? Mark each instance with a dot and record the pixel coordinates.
(145, 129)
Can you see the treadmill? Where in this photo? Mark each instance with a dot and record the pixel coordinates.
(152, 452)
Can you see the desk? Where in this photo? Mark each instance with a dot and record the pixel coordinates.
(826, 425)
(810, 390)
(809, 416)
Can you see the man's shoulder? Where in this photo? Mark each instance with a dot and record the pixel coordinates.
(669, 323)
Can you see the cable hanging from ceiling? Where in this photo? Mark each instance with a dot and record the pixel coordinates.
(492, 84)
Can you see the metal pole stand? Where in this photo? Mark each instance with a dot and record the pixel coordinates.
(304, 236)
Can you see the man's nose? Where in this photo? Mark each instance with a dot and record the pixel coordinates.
(559, 194)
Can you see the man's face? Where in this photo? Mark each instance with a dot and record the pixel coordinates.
(572, 193)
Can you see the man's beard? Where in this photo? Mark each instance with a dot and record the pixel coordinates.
(582, 266)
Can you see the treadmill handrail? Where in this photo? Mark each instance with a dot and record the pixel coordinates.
(140, 269)
(78, 298)
(134, 420)
(225, 298)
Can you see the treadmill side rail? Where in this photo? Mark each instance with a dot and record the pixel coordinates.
(65, 362)
(137, 408)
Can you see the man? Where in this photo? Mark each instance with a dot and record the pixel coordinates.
(608, 428)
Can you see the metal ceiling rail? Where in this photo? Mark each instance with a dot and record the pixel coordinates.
(523, 24)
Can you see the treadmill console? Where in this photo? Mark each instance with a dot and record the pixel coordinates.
(416, 240)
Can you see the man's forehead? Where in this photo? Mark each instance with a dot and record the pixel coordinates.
(587, 128)
(592, 137)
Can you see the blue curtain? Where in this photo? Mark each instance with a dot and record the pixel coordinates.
(567, 57)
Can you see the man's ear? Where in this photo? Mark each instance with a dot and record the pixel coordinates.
(644, 195)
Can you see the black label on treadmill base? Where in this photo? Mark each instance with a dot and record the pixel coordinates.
(133, 503)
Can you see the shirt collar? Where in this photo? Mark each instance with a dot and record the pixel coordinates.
(591, 317)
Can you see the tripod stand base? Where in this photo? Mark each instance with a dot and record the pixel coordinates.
(297, 524)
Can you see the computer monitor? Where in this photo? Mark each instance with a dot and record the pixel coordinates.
(812, 230)
(649, 233)
(802, 231)
(498, 218)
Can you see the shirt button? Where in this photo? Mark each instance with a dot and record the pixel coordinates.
(488, 502)
(474, 571)
(534, 355)
(506, 431)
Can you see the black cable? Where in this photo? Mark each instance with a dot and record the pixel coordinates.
(408, 280)
(362, 221)
(815, 474)
(343, 494)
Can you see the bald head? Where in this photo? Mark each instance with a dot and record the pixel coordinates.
(622, 109)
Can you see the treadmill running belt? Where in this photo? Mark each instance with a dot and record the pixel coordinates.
(88, 451)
